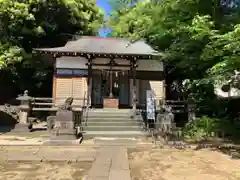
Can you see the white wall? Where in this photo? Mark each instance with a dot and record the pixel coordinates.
(80, 63)
(149, 65)
(71, 62)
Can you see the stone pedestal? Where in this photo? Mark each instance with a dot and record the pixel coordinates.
(63, 133)
(23, 117)
(64, 121)
(111, 103)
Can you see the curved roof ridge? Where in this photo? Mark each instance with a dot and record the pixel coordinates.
(101, 45)
(108, 38)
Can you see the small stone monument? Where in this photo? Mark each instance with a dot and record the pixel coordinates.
(191, 112)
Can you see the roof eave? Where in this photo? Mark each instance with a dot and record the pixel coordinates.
(102, 54)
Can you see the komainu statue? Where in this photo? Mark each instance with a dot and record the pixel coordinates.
(64, 117)
(165, 121)
(67, 106)
(168, 120)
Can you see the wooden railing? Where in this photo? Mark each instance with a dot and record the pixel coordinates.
(48, 104)
(177, 106)
(43, 107)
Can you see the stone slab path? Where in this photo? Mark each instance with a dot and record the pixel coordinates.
(111, 163)
(21, 153)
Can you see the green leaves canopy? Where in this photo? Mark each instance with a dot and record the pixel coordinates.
(199, 38)
(34, 23)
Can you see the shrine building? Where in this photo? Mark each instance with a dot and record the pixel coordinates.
(106, 72)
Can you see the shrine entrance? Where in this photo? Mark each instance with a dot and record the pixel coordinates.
(110, 88)
(87, 54)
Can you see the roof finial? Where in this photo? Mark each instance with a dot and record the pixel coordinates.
(131, 42)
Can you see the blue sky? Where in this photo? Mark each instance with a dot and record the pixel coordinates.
(103, 4)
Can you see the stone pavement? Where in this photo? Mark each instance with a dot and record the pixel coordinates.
(111, 164)
(41, 153)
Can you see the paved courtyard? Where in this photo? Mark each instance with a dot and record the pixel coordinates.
(29, 159)
(45, 163)
(66, 163)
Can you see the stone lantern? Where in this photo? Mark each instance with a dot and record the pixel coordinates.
(191, 112)
(24, 107)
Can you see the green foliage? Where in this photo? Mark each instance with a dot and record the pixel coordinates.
(39, 23)
(36, 23)
(9, 55)
(200, 39)
(204, 127)
(201, 128)
(187, 31)
(201, 42)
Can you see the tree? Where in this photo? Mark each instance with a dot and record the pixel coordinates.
(39, 23)
(200, 40)
(185, 30)
(35, 23)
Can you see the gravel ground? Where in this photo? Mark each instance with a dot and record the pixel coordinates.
(43, 171)
(173, 164)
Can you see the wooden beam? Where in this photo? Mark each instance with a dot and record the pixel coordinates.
(134, 91)
(89, 80)
(54, 87)
(96, 55)
(109, 64)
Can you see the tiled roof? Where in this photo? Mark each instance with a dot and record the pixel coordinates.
(89, 44)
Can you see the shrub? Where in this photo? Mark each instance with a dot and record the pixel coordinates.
(201, 128)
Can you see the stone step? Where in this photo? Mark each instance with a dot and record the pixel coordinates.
(111, 128)
(110, 110)
(118, 141)
(104, 119)
(113, 123)
(107, 115)
(117, 118)
(114, 134)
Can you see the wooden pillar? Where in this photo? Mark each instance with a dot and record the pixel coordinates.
(54, 81)
(89, 80)
(110, 81)
(134, 90)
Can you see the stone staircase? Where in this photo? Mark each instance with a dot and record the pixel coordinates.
(112, 123)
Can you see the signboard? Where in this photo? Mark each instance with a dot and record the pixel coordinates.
(150, 105)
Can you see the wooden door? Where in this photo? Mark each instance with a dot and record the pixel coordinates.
(124, 91)
(97, 94)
